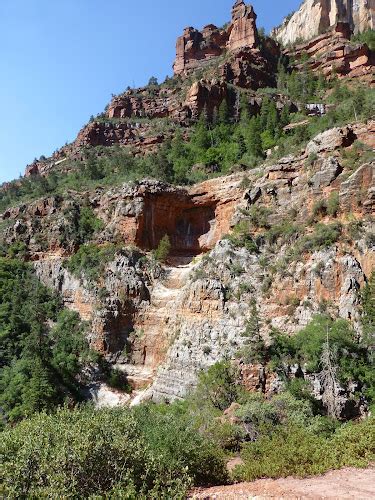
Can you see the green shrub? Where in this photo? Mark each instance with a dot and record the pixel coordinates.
(17, 250)
(80, 226)
(319, 209)
(296, 451)
(172, 434)
(105, 453)
(90, 260)
(324, 236)
(241, 237)
(367, 37)
(163, 250)
(218, 385)
(261, 415)
(258, 217)
(285, 231)
(333, 204)
(118, 380)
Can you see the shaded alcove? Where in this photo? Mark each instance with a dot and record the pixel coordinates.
(187, 224)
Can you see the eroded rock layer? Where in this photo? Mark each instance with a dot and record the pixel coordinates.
(333, 54)
(314, 17)
(163, 326)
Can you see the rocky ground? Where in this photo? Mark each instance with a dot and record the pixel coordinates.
(344, 484)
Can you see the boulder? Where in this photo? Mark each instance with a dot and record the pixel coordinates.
(330, 170)
(330, 140)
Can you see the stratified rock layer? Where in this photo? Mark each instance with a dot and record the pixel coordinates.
(314, 17)
(163, 328)
(333, 54)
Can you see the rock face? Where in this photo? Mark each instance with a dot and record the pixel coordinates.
(243, 31)
(333, 53)
(331, 140)
(224, 57)
(195, 48)
(314, 17)
(162, 327)
(140, 214)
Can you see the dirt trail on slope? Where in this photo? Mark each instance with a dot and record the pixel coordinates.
(343, 484)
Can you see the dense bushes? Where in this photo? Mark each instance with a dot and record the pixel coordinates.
(367, 37)
(150, 453)
(324, 236)
(160, 451)
(90, 260)
(297, 451)
(39, 362)
(350, 358)
(80, 225)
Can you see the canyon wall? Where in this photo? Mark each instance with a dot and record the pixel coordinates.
(162, 325)
(331, 54)
(314, 17)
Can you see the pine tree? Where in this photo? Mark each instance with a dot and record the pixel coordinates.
(224, 114)
(241, 145)
(201, 137)
(263, 118)
(163, 249)
(282, 76)
(244, 110)
(254, 350)
(285, 116)
(253, 138)
(153, 81)
(272, 124)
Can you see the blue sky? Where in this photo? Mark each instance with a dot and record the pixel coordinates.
(60, 61)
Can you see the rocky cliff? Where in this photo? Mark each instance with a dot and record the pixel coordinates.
(315, 17)
(162, 327)
(332, 54)
(216, 65)
(195, 48)
(286, 229)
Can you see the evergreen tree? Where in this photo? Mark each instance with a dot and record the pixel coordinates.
(38, 368)
(282, 75)
(254, 350)
(241, 145)
(285, 116)
(272, 124)
(264, 109)
(153, 81)
(253, 138)
(224, 114)
(201, 137)
(244, 110)
(163, 249)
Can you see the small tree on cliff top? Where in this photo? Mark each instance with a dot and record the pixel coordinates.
(153, 82)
